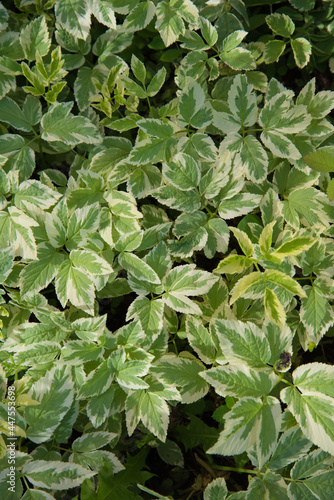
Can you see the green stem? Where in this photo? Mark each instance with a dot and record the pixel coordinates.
(149, 105)
(237, 469)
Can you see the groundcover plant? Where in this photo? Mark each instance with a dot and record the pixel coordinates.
(166, 249)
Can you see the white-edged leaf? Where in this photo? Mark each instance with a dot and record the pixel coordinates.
(188, 280)
(216, 490)
(35, 38)
(185, 374)
(201, 340)
(242, 101)
(136, 266)
(55, 393)
(313, 408)
(90, 262)
(58, 124)
(92, 441)
(151, 409)
(55, 475)
(74, 17)
(302, 50)
(75, 286)
(254, 158)
(240, 204)
(280, 145)
(38, 274)
(250, 421)
(244, 342)
(240, 381)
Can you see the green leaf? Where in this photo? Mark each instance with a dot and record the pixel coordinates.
(271, 486)
(265, 238)
(55, 393)
(34, 38)
(148, 312)
(208, 31)
(151, 150)
(169, 18)
(294, 120)
(133, 87)
(156, 128)
(204, 146)
(171, 453)
(139, 17)
(7, 83)
(292, 247)
(303, 4)
(181, 303)
(169, 23)
(321, 160)
(302, 50)
(100, 407)
(330, 190)
(321, 104)
(138, 69)
(188, 280)
(281, 24)
(290, 448)
(58, 124)
(81, 222)
(311, 464)
(11, 113)
(6, 262)
(216, 490)
(319, 485)
(157, 82)
(55, 475)
(16, 229)
(273, 50)
(191, 105)
(239, 59)
(302, 202)
(233, 40)
(184, 201)
(38, 274)
(85, 87)
(185, 374)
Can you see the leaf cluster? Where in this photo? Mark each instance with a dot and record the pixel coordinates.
(166, 253)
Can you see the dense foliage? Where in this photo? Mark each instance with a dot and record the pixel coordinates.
(166, 249)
